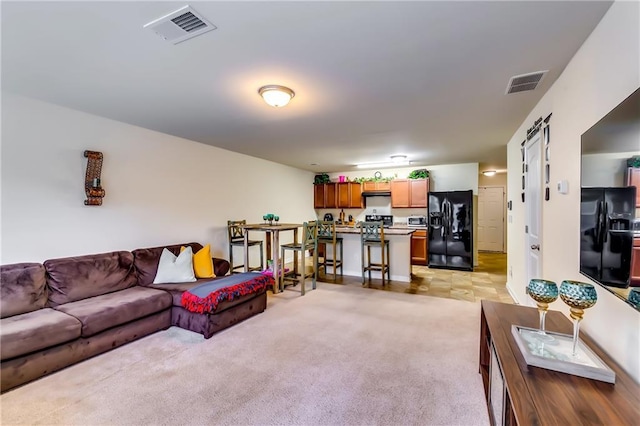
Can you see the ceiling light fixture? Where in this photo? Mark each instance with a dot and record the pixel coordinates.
(396, 160)
(489, 172)
(276, 96)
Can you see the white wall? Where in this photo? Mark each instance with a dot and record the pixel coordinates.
(160, 189)
(604, 71)
(454, 177)
(606, 169)
(442, 177)
(499, 179)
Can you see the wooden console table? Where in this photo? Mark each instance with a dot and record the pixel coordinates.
(518, 394)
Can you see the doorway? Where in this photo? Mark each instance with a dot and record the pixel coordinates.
(491, 212)
(533, 207)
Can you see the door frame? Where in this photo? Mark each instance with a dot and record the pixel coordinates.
(529, 219)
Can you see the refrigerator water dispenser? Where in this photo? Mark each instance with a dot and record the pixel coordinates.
(435, 220)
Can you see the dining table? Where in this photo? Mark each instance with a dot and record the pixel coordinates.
(272, 245)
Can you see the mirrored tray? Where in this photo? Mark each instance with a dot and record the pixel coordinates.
(554, 352)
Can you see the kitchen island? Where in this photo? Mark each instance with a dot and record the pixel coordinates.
(399, 246)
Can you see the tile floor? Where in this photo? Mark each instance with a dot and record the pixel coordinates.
(487, 281)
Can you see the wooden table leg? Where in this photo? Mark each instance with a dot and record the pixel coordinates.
(295, 258)
(246, 250)
(276, 262)
(268, 247)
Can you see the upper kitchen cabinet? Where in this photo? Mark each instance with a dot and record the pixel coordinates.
(409, 193)
(325, 196)
(376, 186)
(349, 195)
(633, 179)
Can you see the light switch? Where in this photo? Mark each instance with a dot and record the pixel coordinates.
(563, 187)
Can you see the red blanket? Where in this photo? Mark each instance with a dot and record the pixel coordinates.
(206, 297)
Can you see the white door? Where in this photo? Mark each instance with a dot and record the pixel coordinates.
(491, 218)
(533, 206)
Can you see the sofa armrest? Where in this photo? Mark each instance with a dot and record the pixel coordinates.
(220, 267)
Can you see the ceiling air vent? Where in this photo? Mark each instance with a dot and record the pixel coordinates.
(525, 82)
(180, 25)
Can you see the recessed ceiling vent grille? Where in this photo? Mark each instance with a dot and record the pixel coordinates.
(180, 25)
(189, 22)
(525, 82)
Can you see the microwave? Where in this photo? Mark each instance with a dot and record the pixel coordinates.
(417, 221)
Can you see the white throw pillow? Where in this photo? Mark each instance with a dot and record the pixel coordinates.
(172, 269)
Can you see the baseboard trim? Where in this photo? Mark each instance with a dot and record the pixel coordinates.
(512, 294)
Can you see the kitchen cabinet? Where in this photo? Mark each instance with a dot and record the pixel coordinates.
(518, 394)
(635, 263)
(349, 195)
(325, 196)
(633, 179)
(376, 186)
(406, 193)
(419, 252)
(400, 193)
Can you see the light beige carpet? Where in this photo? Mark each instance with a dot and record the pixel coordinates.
(340, 355)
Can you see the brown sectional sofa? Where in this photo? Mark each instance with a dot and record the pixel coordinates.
(226, 314)
(69, 309)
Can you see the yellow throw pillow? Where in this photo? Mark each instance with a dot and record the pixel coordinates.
(202, 262)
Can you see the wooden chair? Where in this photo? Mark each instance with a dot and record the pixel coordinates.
(236, 239)
(327, 236)
(372, 235)
(309, 242)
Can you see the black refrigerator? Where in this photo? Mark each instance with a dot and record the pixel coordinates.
(451, 230)
(606, 234)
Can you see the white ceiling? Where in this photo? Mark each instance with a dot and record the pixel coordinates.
(372, 79)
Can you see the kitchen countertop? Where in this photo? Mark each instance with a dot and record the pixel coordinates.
(394, 230)
(399, 243)
(404, 226)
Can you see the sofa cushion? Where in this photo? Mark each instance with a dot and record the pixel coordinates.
(146, 260)
(202, 262)
(23, 288)
(175, 269)
(76, 278)
(30, 332)
(108, 310)
(177, 289)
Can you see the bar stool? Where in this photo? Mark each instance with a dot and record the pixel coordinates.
(327, 236)
(236, 239)
(309, 242)
(372, 235)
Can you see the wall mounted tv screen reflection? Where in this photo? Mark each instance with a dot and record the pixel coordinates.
(609, 207)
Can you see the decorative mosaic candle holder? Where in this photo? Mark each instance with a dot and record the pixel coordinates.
(579, 296)
(634, 297)
(543, 292)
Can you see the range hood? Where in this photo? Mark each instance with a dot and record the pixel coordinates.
(376, 193)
